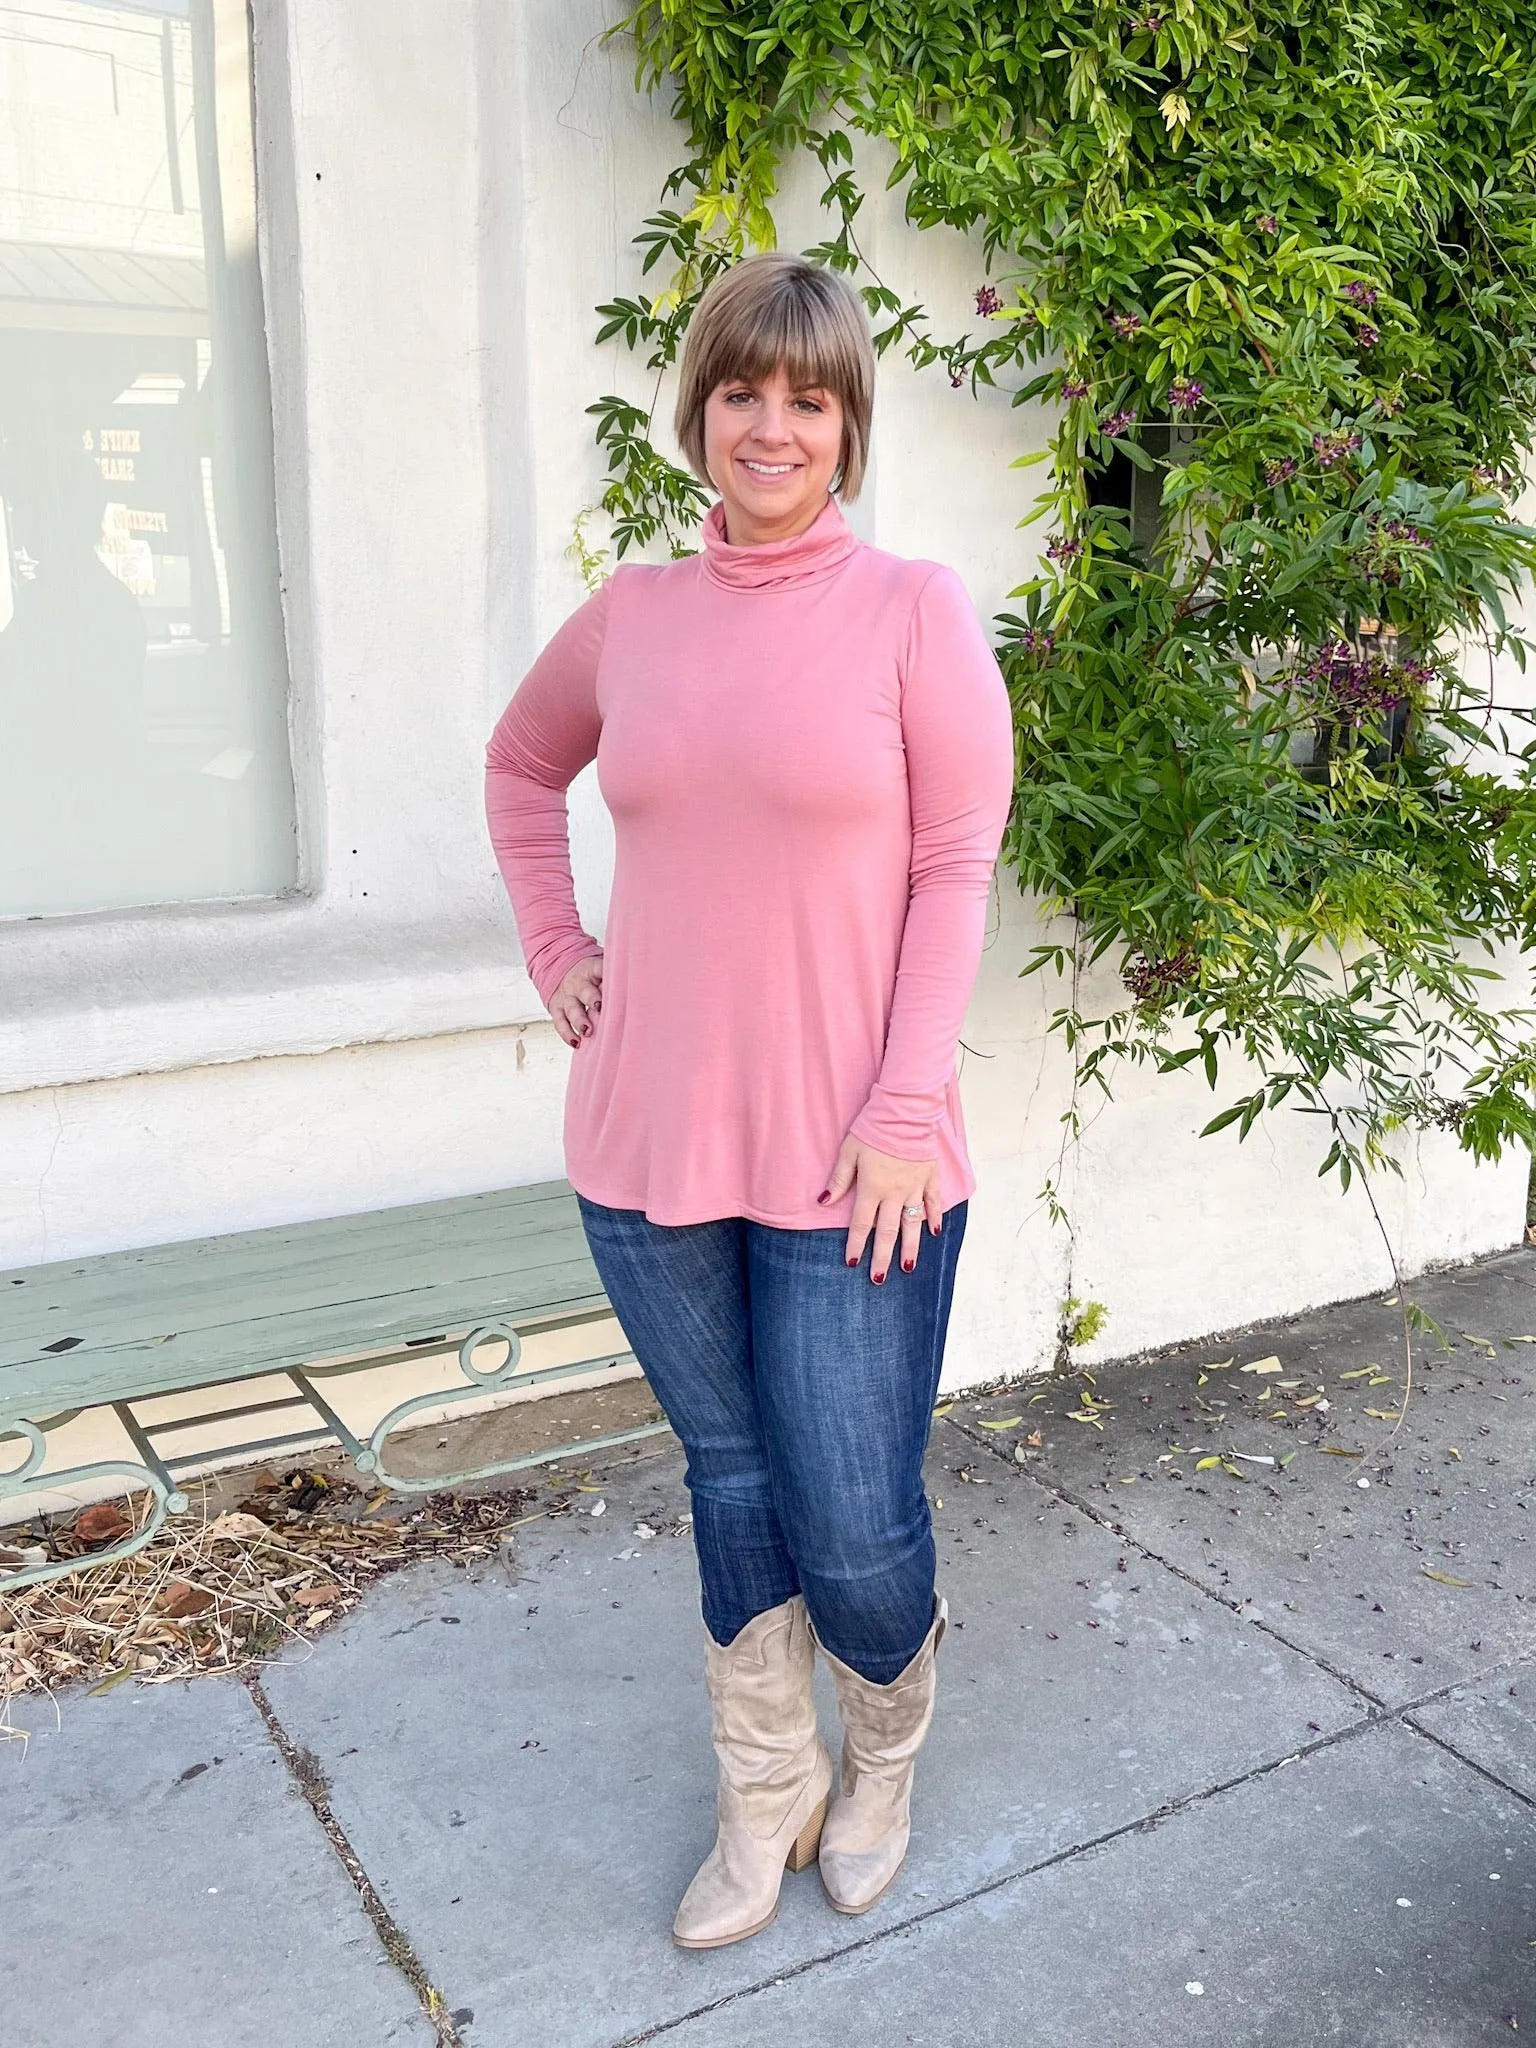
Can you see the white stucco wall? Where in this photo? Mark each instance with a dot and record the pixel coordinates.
(448, 189)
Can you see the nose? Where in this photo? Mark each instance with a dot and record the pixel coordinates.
(773, 425)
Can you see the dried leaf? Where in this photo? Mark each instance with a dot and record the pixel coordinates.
(1443, 1578)
(1386, 1414)
(182, 1601)
(1270, 1364)
(1005, 1422)
(1034, 1439)
(103, 1523)
(1338, 1451)
(317, 1596)
(1206, 1464)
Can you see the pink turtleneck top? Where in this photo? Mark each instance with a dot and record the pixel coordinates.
(807, 751)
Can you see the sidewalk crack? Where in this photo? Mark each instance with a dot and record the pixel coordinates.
(1144, 1823)
(307, 1773)
(1374, 1701)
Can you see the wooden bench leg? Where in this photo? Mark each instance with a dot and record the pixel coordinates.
(369, 1457)
(28, 1480)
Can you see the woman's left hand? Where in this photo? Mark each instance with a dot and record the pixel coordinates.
(882, 1187)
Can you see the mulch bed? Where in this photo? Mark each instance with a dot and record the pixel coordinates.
(218, 1592)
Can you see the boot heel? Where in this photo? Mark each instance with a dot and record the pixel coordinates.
(807, 1842)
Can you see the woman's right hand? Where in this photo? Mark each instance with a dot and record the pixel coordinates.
(578, 999)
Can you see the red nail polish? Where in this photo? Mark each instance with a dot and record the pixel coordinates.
(879, 1279)
(853, 1262)
(908, 1265)
(933, 1229)
(825, 1195)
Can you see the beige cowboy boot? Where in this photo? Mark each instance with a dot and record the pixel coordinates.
(864, 1842)
(775, 1775)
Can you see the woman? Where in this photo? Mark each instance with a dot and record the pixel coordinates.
(806, 747)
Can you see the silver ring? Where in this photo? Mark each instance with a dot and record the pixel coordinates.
(917, 1211)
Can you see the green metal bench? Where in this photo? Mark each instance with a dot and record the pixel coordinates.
(355, 1291)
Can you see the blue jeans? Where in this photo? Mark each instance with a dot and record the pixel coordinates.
(802, 1394)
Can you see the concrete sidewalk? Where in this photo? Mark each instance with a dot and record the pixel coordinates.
(1231, 1755)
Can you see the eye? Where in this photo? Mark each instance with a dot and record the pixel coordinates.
(732, 397)
(811, 404)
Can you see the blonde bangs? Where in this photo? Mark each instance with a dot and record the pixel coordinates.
(771, 310)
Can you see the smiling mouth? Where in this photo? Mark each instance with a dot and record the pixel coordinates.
(769, 471)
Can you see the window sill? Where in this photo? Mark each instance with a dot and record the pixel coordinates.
(97, 998)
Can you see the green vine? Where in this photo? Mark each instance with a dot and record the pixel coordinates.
(1274, 266)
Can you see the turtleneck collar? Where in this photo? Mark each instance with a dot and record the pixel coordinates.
(778, 564)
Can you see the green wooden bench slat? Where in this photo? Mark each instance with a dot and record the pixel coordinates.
(204, 1296)
(117, 1284)
(177, 1316)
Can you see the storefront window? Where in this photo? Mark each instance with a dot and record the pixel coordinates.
(143, 683)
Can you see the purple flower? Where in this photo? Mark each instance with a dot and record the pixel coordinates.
(1036, 640)
(1332, 447)
(1148, 25)
(1401, 529)
(1063, 550)
(1380, 560)
(988, 301)
(1074, 387)
(1360, 293)
(1268, 224)
(1125, 324)
(956, 380)
(1367, 335)
(1153, 979)
(1485, 478)
(1118, 422)
(1349, 687)
(1281, 472)
(1184, 394)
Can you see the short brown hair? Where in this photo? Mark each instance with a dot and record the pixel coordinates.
(777, 308)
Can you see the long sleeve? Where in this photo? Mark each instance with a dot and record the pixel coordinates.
(544, 738)
(957, 729)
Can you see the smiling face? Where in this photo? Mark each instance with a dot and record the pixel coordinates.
(772, 449)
